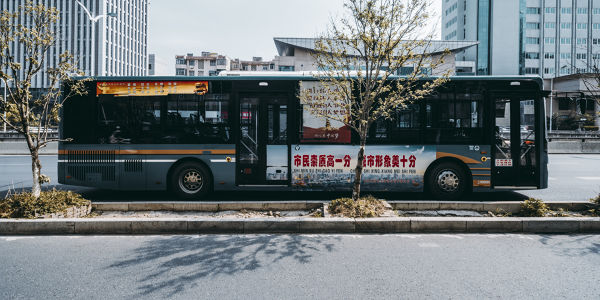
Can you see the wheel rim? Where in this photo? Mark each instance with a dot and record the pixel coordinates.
(448, 181)
(191, 181)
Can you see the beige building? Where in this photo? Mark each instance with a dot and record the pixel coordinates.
(207, 64)
(256, 64)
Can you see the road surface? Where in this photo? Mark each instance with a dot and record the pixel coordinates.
(301, 267)
(572, 178)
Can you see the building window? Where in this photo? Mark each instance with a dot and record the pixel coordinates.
(213, 63)
(532, 70)
(286, 68)
(596, 41)
(192, 73)
(180, 61)
(531, 25)
(532, 55)
(596, 11)
(548, 70)
(532, 40)
(596, 26)
(550, 40)
(581, 56)
(565, 55)
(581, 41)
(180, 72)
(533, 10)
(549, 55)
(565, 41)
(221, 61)
(550, 10)
(550, 25)
(582, 10)
(581, 25)
(565, 10)
(191, 63)
(451, 35)
(565, 25)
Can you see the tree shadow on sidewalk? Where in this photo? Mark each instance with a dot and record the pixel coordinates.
(172, 265)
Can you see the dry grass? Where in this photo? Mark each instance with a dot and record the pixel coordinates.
(533, 207)
(365, 207)
(24, 205)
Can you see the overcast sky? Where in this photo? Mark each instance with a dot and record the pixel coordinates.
(236, 28)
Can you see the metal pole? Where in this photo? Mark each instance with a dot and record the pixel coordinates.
(551, 100)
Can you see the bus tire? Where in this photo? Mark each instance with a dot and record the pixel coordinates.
(190, 180)
(447, 181)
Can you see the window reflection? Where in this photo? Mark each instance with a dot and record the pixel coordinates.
(186, 119)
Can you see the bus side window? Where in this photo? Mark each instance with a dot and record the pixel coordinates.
(454, 118)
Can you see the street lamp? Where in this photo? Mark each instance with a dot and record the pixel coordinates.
(5, 101)
(93, 33)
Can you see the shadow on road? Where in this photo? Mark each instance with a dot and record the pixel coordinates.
(577, 245)
(100, 195)
(173, 264)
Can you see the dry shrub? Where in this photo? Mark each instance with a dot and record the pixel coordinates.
(533, 207)
(24, 205)
(595, 205)
(365, 207)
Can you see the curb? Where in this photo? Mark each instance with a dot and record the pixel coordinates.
(299, 225)
(512, 207)
(207, 206)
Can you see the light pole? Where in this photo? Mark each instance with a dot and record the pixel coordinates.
(93, 34)
(5, 102)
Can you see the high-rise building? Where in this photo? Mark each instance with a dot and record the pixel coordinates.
(549, 38)
(112, 45)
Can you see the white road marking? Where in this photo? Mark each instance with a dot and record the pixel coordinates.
(14, 238)
(452, 236)
(589, 178)
(429, 245)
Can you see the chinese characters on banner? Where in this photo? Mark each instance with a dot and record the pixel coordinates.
(392, 168)
(150, 88)
(316, 127)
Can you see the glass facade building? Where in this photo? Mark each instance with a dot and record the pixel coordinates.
(549, 38)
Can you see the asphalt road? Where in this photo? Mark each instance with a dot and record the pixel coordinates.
(572, 178)
(301, 266)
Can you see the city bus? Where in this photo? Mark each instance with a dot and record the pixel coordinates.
(194, 135)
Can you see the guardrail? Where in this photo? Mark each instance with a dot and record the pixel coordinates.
(15, 136)
(573, 135)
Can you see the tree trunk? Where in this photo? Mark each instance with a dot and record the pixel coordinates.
(358, 170)
(36, 165)
(36, 169)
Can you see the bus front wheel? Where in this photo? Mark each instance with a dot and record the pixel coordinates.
(190, 180)
(447, 181)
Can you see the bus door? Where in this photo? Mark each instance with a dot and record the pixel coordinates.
(263, 145)
(514, 149)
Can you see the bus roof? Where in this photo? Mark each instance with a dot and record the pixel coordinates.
(295, 76)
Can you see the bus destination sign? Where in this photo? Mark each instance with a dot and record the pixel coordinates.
(151, 88)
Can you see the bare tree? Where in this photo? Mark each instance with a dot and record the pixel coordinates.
(31, 29)
(362, 52)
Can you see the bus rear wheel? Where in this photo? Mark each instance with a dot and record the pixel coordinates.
(190, 180)
(447, 181)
